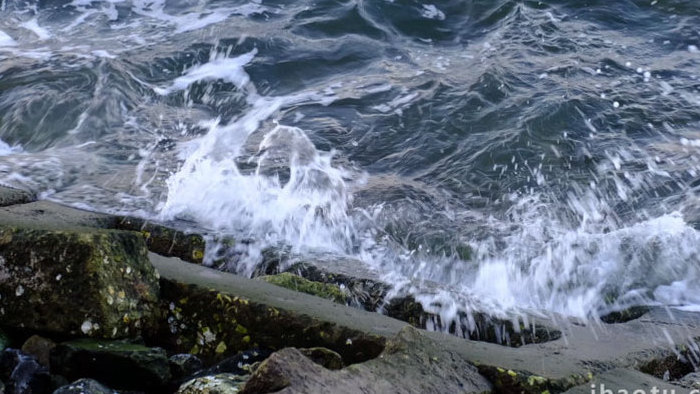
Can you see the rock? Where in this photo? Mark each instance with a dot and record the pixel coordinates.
(324, 357)
(40, 348)
(184, 365)
(241, 314)
(4, 340)
(625, 315)
(9, 196)
(84, 386)
(224, 383)
(363, 288)
(96, 283)
(23, 373)
(166, 241)
(2, 387)
(240, 364)
(297, 283)
(691, 381)
(118, 364)
(411, 363)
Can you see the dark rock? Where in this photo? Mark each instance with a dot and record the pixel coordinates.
(166, 241)
(297, 283)
(2, 387)
(4, 340)
(365, 292)
(40, 348)
(23, 373)
(323, 357)
(84, 386)
(184, 365)
(411, 363)
(224, 383)
(10, 196)
(672, 366)
(625, 315)
(475, 326)
(96, 283)
(240, 364)
(117, 364)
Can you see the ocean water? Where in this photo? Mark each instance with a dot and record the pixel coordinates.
(499, 156)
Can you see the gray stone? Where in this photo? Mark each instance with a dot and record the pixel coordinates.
(691, 381)
(184, 365)
(9, 196)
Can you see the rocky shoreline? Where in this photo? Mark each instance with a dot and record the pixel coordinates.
(94, 303)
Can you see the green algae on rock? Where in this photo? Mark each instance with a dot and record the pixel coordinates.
(214, 324)
(96, 283)
(297, 283)
(118, 364)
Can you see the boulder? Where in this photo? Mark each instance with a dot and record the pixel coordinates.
(39, 347)
(9, 196)
(96, 283)
(297, 283)
(411, 363)
(118, 364)
(23, 373)
(184, 364)
(84, 386)
(164, 240)
(224, 383)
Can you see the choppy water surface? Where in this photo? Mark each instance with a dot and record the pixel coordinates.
(559, 139)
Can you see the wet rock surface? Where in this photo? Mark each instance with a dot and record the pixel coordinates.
(84, 386)
(164, 240)
(39, 347)
(118, 364)
(318, 345)
(23, 373)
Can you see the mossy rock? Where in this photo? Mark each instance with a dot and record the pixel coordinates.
(118, 364)
(96, 283)
(166, 241)
(297, 283)
(507, 381)
(214, 325)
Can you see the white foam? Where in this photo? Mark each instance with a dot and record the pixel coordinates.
(6, 40)
(33, 26)
(225, 69)
(430, 11)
